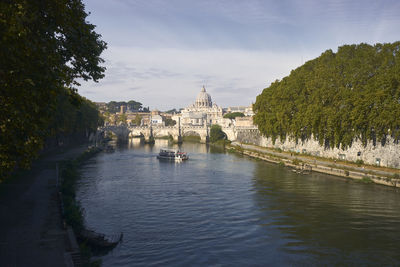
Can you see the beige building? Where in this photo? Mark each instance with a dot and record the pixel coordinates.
(244, 121)
(246, 110)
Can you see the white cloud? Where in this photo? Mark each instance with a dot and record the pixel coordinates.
(161, 52)
(168, 78)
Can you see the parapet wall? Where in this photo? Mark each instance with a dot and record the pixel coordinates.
(387, 155)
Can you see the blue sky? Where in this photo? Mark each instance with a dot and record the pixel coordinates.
(160, 52)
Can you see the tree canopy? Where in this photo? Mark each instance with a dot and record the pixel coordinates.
(233, 115)
(46, 47)
(216, 133)
(336, 98)
(169, 121)
(115, 106)
(69, 119)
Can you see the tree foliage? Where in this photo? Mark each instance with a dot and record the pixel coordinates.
(336, 98)
(169, 122)
(114, 106)
(233, 115)
(172, 111)
(69, 119)
(216, 133)
(122, 119)
(45, 48)
(137, 120)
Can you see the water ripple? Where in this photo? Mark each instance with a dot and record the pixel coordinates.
(225, 210)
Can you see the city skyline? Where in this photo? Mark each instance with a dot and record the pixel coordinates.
(161, 53)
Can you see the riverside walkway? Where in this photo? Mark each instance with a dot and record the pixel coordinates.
(31, 232)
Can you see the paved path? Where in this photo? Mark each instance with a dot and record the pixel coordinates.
(31, 232)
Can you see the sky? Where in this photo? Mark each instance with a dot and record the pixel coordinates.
(161, 52)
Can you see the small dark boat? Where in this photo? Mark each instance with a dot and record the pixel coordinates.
(100, 240)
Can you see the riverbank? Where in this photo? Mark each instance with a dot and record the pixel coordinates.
(304, 164)
(31, 228)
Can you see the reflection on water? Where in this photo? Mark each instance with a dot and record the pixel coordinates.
(337, 221)
(225, 209)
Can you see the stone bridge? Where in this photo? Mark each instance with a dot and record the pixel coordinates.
(124, 132)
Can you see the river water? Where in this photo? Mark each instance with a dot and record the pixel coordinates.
(223, 209)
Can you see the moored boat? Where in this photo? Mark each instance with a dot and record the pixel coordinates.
(172, 154)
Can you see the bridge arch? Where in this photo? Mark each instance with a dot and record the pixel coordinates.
(122, 132)
(136, 134)
(191, 133)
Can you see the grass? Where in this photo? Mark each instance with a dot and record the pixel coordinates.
(366, 180)
(73, 212)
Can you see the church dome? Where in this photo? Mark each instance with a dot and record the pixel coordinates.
(203, 99)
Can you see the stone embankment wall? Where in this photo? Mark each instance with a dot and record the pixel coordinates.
(387, 155)
(326, 169)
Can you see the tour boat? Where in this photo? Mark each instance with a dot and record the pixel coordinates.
(172, 154)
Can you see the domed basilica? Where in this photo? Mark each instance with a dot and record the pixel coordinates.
(203, 111)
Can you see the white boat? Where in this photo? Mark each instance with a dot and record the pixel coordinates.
(172, 154)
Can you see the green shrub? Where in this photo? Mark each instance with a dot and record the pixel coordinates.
(216, 133)
(359, 162)
(296, 162)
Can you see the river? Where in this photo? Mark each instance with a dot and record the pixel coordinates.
(224, 209)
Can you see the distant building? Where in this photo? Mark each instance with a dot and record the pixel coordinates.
(202, 112)
(236, 109)
(155, 112)
(246, 110)
(244, 121)
(157, 120)
(122, 109)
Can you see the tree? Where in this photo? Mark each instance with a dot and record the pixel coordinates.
(72, 120)
(45, 48)
(336, 98)
(107, 117)
(216, 133)
(169, 122)
(133, 105)
(233, 115)
(113, 107)
(138, 120)
(122, 118)
(172, 111)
